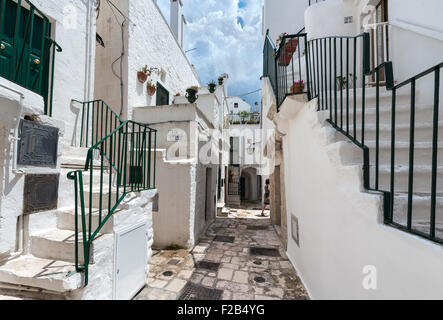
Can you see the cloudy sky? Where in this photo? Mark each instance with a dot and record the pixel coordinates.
(227, 35)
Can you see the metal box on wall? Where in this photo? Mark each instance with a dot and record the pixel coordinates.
(41, 192)
(38, 145)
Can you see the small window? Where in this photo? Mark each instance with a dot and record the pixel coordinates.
(236, 105)
(162, 95)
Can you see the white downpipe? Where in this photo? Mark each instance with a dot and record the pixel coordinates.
(88, 56)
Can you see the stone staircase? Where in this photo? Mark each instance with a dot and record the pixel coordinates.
(48, 263)
(422, 156)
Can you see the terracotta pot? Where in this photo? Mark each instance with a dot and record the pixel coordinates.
(151, 90)
(290, 47)
(142, 77)
(297, 88)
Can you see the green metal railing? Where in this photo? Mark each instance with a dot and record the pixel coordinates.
(27, 52)
(121, 157)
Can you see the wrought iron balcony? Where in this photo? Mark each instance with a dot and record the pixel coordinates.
(27, 51)
(244, 118)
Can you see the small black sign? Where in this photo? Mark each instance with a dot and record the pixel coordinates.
(38, 145)
(41, 192)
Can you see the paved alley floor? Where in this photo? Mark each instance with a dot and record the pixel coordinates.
(240, 258)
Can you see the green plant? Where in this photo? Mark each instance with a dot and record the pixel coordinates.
(145, 70)
(151, 84)
(174, 247)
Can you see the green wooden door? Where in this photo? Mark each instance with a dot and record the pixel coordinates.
(25, 62)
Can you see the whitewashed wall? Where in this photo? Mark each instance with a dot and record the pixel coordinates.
(152, 43)
(341, 227)
(71, 80)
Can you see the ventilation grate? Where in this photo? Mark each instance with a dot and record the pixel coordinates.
(196, 292)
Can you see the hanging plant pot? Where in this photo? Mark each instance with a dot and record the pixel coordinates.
(142, 77)
(290, 47)
(151, 90)
(212, 87)
(191, 95)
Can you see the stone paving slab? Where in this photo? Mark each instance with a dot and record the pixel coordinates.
(172, 271)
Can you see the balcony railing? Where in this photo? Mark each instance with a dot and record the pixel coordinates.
(245, 118)
(27, 51)
(341, 69)
(284, 67)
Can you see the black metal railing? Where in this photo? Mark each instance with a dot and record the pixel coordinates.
(362, 103)
(283, 67)
(245, 118)
(336, 64)
(269, 66)
(311, 2)
(27, 52)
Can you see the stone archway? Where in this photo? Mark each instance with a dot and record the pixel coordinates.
(250, 185)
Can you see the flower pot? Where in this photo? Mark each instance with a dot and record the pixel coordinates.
(151, 90)
(142, 77)
(220, 82)
(191, 95)
(297, 88)
(290, 47)
(212, 87)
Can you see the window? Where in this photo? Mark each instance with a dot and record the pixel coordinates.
(236, 105)
(162, 95)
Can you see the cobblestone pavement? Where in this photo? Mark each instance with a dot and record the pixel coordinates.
(230, 270)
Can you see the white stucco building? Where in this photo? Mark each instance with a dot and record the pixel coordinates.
(50, 128)
(359, 189)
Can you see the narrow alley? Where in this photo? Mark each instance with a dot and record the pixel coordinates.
(239, 258)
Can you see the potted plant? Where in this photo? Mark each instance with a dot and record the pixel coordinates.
(151, 87)
(243, 115)
(143, 74)
(290, 47)
(220, 81)
(212, 86)
(298, 87)
(191, 94)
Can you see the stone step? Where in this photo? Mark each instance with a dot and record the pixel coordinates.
(422, 153)
(423, 131)
(96, 176)
(422, 178)
(58, 244)
(66, 220)
(385, 97)
(40, 273)
(423, 114)
(421, 208)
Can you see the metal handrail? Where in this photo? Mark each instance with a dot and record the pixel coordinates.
(330, 64)
(23, 66)
(124, 158)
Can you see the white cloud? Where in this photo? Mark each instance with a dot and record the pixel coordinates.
(223, 45)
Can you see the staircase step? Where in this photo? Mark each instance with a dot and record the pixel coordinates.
(421, 207)
(96, 177)
(422, 153)
(40, 273)
(423, 131)
(58, 244)
(423, 113)
(422, 178)
(66, 220)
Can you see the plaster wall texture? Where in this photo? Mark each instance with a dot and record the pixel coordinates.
(12, 188)
(283, 16)
(341, 227)
(68, 84)
(242, 105)
(148, 41)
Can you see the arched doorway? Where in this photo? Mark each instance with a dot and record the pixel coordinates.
(250, 185)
